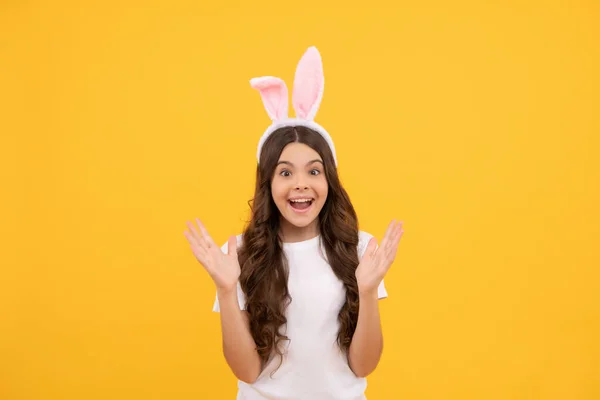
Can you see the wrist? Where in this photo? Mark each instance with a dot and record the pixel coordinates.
(223, 293)
(367, 294)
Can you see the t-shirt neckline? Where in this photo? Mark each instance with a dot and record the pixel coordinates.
(302, 244)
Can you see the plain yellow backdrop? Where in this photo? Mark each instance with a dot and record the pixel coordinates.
(476, 123)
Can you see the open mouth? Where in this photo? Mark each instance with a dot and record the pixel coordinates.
(301, 205)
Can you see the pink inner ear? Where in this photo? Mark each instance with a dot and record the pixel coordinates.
(274, 94)
(308, 84)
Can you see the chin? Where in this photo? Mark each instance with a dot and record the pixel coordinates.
(300, 224)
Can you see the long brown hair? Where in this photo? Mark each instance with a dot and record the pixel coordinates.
(264, 266)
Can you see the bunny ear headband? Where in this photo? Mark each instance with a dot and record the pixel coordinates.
(306, 98)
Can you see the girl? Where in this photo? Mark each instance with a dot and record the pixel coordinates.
(298, 290)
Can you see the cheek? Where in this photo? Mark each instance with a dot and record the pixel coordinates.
(278, 191)
(323, 189)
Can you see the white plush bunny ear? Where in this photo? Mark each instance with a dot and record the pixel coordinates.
(274, 94)
(308, 85)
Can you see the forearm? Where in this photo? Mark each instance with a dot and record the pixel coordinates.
(239, 347)
(367, 342)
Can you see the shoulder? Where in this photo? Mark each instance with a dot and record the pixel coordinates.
(363, 241)
(225, 245)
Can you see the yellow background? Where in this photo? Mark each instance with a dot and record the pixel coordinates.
(474, 122)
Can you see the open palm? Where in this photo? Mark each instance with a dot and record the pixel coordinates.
(376, 261)
(224, 269)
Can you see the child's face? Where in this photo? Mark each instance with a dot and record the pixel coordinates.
(299, 176)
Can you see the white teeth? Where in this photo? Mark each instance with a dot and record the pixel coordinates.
(301, 201)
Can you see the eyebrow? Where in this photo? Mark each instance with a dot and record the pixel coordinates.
(307, 164)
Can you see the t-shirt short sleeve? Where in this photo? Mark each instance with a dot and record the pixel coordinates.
(363, 241)
(240, 294)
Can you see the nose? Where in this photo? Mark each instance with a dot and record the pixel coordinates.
(300, 185)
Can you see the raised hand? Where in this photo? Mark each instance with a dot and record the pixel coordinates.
(224, 269)
(377, 261)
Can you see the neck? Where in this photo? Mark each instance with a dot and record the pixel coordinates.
(290, 233)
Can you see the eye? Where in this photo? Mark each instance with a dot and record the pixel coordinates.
(316, 170)
(283, 172)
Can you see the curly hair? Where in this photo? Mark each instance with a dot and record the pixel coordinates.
(264, 268)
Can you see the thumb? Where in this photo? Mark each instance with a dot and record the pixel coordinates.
(232, 246)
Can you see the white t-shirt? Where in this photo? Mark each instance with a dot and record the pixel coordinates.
(313, 367)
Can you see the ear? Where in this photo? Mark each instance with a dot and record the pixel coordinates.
(308, 85)
(274, 95)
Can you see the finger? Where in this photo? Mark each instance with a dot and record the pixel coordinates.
(386, 238)
(371, 248)
(393, 248)
(210, 243)
(201, 256)
(398, 231)
(196, 248)
(190, 238)
(396, 234)
(194, 232)
(391, 254)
